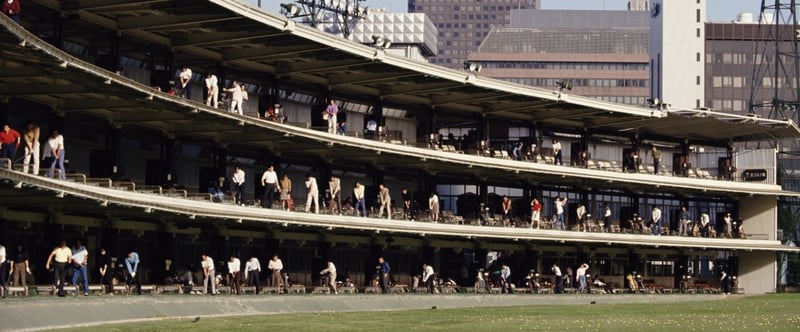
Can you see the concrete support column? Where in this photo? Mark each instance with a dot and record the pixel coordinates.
(480, 258)
(270, 97)
(221, 165)
(483, 134)
(168, 161)
(683, 162)
(58, 31)
(219, 70)
(56, 120)
(377, 113)
(375, 252)
(681, 269)
(114, 62)
(320, 262)
(323, 183)
(483, 193)
(429, 256)
(166, 250)
(161, 77)
(4, 110)
(427, 127)
(114, 146)
(377, 116)
(377, 179)
(635, 266)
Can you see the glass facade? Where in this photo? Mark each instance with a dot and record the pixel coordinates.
(463, 24)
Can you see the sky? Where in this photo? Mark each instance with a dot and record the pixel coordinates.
(718, 10)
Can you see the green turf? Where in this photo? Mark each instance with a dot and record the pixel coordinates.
(779, 312)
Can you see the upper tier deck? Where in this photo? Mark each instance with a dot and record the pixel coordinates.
(250, 42)
(42, 73)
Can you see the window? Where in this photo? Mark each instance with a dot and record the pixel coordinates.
(737, 105)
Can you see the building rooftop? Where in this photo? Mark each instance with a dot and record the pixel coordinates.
(566, 40)
(586, 19)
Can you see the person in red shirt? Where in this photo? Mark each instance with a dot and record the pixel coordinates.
(536, 213)
(9, 141)
(12, 8)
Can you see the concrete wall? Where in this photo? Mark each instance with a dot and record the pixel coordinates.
(760, 217)
(757, 272)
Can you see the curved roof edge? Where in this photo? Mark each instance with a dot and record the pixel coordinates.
(373, 54)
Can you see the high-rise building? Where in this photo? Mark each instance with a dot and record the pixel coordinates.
(599, 53)
(729, 62)
(676, 73)
(464, 24)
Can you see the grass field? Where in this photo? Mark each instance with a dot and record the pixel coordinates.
(780, 312)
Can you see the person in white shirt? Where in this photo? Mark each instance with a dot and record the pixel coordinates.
(234, 271)
(728, 225)
(559, 280)
(581, 273)
(433, 206)
(358, 192)
(600, 283)
(313, 193)
(236, 98)
(185, 78)
(208, 273)
(212, 86)
(269, 180)
(80, 259)
(705, 219)
(238, 183)
(560, 203)
(55, 147)
(725, 279)
(61, 255)
(505, 273)
(385, 200)
(557, 155)
(428, 277)
(276, 266)
(252, 271)
(607, 217)
(331, 274)
(656, 219)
